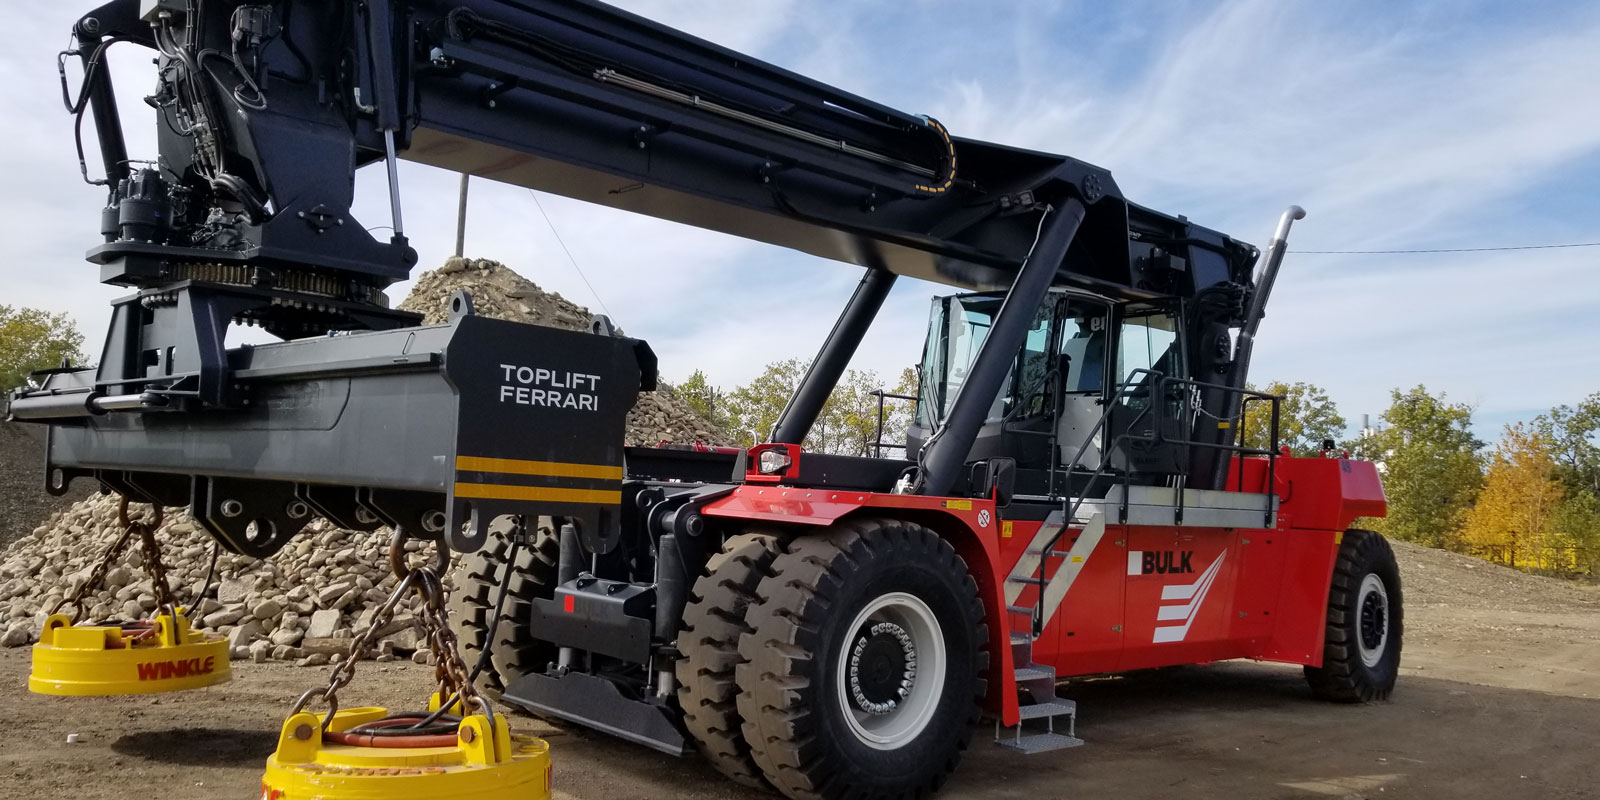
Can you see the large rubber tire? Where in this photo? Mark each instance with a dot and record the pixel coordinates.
(1361, 651)
(709, 641)
(802, 724)
(515, 652)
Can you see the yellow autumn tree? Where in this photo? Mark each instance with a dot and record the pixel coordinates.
(1513, 519)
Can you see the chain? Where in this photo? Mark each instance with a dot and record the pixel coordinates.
(450, 671)
(152, 556)
(146, 531)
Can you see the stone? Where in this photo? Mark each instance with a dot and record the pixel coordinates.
(226, 616)
(234, 590)
(329, 594)
(243, 635)
(266, 609)
(132, 610)
(421, 657)
(406, 639)
(323, 624)
(397, 623)
(17, 635)
(299, 592)
(284, 653)
(239, 653)
(328, 645)
(285, 637)
(313, 660)
(261, 651)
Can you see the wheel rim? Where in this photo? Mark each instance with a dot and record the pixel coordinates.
(891, 670)
(1372, 610)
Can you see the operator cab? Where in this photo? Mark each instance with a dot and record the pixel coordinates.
(1082, 354)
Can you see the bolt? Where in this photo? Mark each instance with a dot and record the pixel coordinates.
(467, 735)
(433, 521)
(91, 25)
(296, 510)
(231, 508)
(365, 517)
(302, 731)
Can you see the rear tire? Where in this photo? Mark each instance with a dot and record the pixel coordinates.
(709, 641)
(515, 652)
(865, 667)
(1361, 650)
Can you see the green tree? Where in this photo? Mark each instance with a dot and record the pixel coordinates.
(705, 399)
(848, 424)
(754, 407)
(1576, 524)
(1572, 431)
(33, 339)
(1306, 417)
(1430, 467)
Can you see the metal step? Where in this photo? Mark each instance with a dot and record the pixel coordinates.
(1040, 742)
(1060, 707)
(1039, 551)
(1019, 610)
(1034, 581)
(1033, 672)
(1019, 637)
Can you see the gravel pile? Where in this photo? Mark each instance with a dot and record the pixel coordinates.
(304, 603)
(497, 291)
(309, 600)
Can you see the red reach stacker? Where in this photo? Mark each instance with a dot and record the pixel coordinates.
(1077, 494)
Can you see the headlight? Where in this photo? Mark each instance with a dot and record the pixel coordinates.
(773, 462)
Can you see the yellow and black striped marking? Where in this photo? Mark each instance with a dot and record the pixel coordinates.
(482, 478)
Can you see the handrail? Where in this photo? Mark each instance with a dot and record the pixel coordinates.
(1157, 387)
(877, 439)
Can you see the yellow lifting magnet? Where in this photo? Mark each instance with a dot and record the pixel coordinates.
(157, 655)
(357, 756)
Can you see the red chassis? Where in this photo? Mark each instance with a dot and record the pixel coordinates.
(1131, 596)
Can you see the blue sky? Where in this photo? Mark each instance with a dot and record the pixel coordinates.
(1448, 124)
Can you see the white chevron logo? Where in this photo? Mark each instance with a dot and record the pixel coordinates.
(1191, 597)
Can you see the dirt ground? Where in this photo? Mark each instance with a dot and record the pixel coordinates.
(1499, 698)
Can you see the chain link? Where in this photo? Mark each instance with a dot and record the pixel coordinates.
(146, 531)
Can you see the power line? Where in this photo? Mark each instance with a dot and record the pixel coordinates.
(1447, 249)
(574, 261)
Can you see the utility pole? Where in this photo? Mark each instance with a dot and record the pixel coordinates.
(461, 216)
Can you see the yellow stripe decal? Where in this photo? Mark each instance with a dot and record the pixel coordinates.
(554, 469)
(495, 491)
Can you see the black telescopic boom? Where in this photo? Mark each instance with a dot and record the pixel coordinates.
(803, 408)
(946, 452)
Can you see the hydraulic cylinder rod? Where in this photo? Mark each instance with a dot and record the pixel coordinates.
(946, 452)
